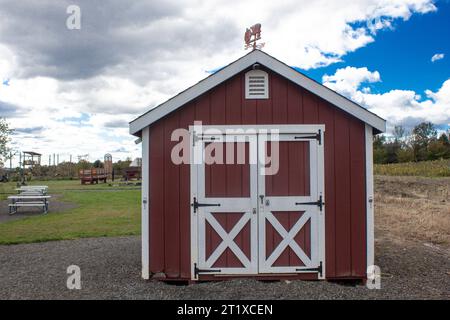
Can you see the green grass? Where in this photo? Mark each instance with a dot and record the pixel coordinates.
(98, 213)
(437, 168)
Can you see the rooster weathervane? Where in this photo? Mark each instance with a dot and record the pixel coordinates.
(252, 35)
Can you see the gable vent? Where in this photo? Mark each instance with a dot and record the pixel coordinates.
(256, 85)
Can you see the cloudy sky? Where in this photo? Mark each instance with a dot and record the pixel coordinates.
(73, 92)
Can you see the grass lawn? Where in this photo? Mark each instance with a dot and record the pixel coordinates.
(101, 210)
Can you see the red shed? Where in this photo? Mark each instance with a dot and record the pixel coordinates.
(269, 175)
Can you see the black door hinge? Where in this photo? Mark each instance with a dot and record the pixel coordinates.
(318, 269)
(197, 271)
(196, 205)
(318, 203)
(317, 136)
(201, 136)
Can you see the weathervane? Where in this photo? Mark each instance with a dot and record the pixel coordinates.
(252, 35)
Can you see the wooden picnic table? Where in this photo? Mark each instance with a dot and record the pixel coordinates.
(21, 200)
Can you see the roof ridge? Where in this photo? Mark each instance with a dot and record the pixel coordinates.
(240, 64)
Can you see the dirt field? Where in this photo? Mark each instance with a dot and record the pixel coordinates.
(413, 208)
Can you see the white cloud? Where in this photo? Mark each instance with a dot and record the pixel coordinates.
(437, 56)
(347, 80)
(404, 107)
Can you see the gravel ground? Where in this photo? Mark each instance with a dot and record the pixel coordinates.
(110, 269)
(54, 205)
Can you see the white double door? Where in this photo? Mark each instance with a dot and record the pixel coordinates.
(257, 202)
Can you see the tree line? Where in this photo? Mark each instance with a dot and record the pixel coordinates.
(421, 144)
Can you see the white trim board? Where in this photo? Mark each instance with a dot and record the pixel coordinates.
(370, 237)
(256, 56)
(145, 234)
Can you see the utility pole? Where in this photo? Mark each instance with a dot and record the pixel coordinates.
(10, 160)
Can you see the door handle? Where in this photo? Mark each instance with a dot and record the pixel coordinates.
(261, 196)
(144, 202)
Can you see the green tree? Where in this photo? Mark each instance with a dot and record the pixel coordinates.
(399, 134)
(393, 147)
(445, 138)
(83, 165)
(120, 166)
(379, 150)
(422, 135)
(439, 148)
(5, 133)
(98, 164)
(405, 154)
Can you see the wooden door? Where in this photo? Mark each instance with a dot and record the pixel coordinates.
(248, 220)
(224, 205)
(291, 205)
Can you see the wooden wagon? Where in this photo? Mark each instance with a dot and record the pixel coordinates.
(93, 175)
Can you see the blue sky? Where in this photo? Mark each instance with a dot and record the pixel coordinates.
(403, 55)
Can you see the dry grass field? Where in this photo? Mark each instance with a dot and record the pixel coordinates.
(413, 208)
(436, 168)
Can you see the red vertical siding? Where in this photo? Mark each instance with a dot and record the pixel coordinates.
(343, 194)
(171, 202)
(326, 115)
(187, 117)
(156, 152)
(358, 208)
(287, 104)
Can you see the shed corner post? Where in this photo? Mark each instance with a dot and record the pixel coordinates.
(145, 219)
(370, 237)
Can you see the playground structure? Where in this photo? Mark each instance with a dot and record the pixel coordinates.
(31, 159)
(27, 165)
(93, 175)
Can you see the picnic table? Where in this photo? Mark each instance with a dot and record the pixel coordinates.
(40, 189)
(29, 196)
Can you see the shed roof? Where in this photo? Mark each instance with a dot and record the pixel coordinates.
(260, 57)
(32, 153)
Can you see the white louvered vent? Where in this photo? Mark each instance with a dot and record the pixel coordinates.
(256, 85)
